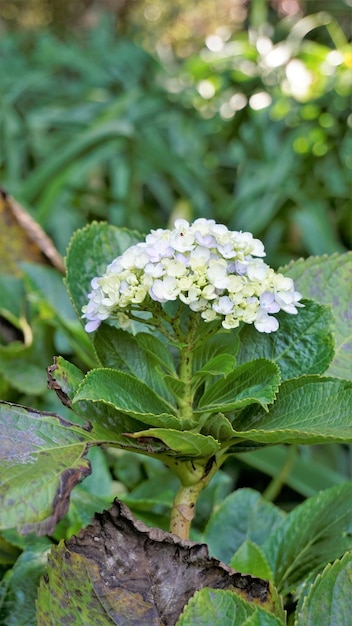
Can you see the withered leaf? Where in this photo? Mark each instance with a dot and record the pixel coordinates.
(42, 458)
(22, 239)
(119, 571)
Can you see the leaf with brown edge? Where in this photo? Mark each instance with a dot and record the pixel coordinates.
(41, 461)
(22, 239)
(119, 571)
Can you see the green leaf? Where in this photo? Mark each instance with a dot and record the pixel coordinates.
(330, 596)
(310, 409)
(183, 443)
(219, 365)
(49, 282)
(102, 420)
(12, 296)
(255, 382)
(222, 342)
(219, 427)
(328, 280)
(176, 387)
(133, 354)
(215, 606)
(314, 533)
(120, 350)
(64, 377)
(126, 394)
(250, 559)
(41, 460)
(91, 250)
(243, 515)
(303, 344)
(157, 350)
(19, 370)
(18, 588)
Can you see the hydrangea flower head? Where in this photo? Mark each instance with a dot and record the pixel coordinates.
(217, 272)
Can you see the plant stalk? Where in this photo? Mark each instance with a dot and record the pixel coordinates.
(194, 478)
(183, 509)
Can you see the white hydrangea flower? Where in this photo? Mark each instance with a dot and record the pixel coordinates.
(214, 271)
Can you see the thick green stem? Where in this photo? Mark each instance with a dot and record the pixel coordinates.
(183, 509)
(194, 477)
(186, 369)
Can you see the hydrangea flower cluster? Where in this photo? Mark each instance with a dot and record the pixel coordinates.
(213, 270)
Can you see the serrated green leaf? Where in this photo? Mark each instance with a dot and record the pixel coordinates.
(104, 422)
(219, 427)
(303, 344)
(255, 382)
(310, 409)
(314, 533)
(329, 595)
(216, 606)
(66, 376)
(120, 350)
(219, 365)
(183, 443)
(41, 460)
(90, 251)
(328, 280)
(249, 558)
(126, 394)
(243, 515)
(175, 386)
(220, 343)
(157, 350)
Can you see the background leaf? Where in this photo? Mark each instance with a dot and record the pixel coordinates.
(209, 607)
(314, 533)
(18, 588)
(250, 559)
(243, 515)
(329, 596)
(328, 279)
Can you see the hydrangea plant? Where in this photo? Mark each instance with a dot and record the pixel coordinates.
(215, 279)
(203, 351)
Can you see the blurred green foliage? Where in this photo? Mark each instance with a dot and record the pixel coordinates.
(253, 129)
